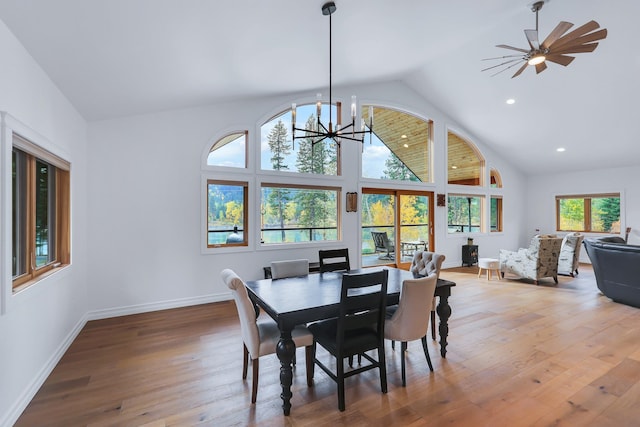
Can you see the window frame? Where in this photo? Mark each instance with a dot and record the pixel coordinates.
(587, 210)
(246, 226)
(299, 185)
(217, 141)
(499, 214)
(59, 208)
(481, 209)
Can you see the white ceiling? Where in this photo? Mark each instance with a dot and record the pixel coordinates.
(115, 58)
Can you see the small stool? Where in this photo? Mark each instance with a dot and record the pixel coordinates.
(489, 264)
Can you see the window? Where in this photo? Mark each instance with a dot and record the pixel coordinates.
(464, 214)
(464, 162)
(598, 213)
(298, 214)
(400, 147)
(230, 151)
(40, 212)
(496, 180)
(226, 213)
(279, 153)
(496, 213)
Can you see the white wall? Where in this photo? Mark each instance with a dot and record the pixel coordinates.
(542, 189)
(146, 201)
(39, 322)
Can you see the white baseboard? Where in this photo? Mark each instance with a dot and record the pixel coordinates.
(25, 398)
(156, 306)
(27, 395)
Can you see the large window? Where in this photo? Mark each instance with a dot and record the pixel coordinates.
(40, 212)
(292, 214)
(279, 152)
(226, 213)
(598, 213)
(399, 148)
(464, 214)
(464, 162)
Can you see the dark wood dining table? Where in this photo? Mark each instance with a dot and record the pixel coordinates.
(298, 300)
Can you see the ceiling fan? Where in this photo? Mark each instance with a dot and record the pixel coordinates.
(555, 48)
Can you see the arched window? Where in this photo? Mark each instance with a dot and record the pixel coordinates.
(496, 180)
(230, 151)
(464, 162)
(400, 147)
(279, 152)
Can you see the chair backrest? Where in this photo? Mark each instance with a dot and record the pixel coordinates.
(411, 320)
(547, 255)
(334, 260)
(246, 312)
(380, 240)
(363, 303)
(289, 268)
(425, 263)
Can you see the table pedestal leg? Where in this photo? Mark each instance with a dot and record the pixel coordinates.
(285, 350)
(444, 312)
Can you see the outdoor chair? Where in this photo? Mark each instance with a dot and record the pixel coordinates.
(382, 245)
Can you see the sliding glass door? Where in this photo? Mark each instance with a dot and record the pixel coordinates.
(394, 225)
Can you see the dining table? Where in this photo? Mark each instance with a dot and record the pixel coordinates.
(299, 300)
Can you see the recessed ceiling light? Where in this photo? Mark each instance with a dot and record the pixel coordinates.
(403, 136)
(454, 167)
(560, 150)
(406, 145)
(511, 101)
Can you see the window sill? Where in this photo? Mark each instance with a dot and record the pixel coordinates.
(21, 287)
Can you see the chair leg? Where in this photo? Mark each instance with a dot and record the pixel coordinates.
(351, 361)
(426, 352)
(254, 389)
(433, 324)
(403, 350)
(309, 353)
(340, 381)
(393, 345)
(555, 279)
(245, 361)
(382, 365)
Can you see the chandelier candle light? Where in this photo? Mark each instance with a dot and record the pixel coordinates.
(321, 132)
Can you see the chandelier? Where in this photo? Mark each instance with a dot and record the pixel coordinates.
(337, 133)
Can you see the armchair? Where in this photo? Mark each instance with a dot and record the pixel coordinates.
(381, 244)
(539, 260)
(569, 259)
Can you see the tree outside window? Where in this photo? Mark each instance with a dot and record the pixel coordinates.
(464, 214)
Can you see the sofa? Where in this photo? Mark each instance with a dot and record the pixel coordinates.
(616, 266)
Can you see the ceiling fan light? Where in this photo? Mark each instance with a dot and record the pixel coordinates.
(538, 59)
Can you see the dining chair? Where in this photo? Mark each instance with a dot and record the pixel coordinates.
(261, 337)
(334, 260)
(358, 328)
(425, 263)
(289, 268)
(410, 321)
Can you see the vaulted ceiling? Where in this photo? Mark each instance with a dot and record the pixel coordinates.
(123, 57)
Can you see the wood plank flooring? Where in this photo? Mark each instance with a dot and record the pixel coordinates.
(518, 355)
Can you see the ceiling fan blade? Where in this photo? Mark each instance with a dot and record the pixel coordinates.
(578, 32)
(532, 38)
(554, 35)
(502, 57)
(576, 49)
(560, 59)
(540, 67)
(504, 69)
(502, 63)
(520, 70)
(504, 46)
(587, 38)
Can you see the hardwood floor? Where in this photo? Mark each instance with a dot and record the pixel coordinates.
(518, 355)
